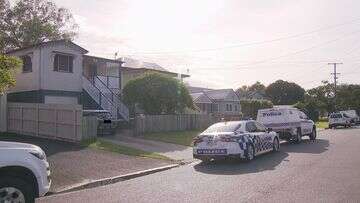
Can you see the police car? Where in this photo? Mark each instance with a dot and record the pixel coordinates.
(235, 139)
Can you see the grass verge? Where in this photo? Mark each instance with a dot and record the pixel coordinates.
(111, 147)
(178, 137)
(322, 124)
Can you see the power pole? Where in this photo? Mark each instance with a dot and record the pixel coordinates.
(335, 80)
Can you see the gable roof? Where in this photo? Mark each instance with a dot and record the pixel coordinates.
(200, 97)
(67, 42)
(131, 64)
(222, 95)
(193, 89)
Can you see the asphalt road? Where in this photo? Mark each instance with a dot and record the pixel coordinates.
(327, 170)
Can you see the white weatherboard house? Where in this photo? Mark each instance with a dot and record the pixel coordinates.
(60, 72)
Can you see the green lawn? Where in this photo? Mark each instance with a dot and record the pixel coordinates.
(178, 137)
(108, 146)
(322, 124)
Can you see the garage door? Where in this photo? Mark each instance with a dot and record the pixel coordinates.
(60, 100)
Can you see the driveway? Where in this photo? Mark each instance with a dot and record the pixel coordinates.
(72, 164)
(173, 151)
(327, 170)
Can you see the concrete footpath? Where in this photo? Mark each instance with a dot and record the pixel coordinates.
(173, 151)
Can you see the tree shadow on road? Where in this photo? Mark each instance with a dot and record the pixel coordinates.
(235, 167)
(306, 146)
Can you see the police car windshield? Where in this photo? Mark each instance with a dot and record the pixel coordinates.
(223, 127)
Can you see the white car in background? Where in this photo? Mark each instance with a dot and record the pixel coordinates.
(291, 123)
(235, 139)
(353, 115)
(24, 172)
(339, 119)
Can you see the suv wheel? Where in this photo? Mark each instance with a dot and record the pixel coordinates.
(298, 136)
(15, 190)
(313, 134)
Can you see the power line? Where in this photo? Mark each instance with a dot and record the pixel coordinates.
(251, 43)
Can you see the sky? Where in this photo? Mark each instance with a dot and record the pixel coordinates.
(229, 43)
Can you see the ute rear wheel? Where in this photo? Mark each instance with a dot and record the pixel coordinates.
(313, 134)
(276, 145)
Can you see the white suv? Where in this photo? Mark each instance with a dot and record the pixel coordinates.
(24, 172)
(291, 123)
(339, 119)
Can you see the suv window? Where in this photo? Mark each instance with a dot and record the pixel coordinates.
(336, 115)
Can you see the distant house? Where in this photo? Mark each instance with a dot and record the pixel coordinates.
(193, 89)
(256, 95)
(60, 72)
(222, 102)
(134, 68)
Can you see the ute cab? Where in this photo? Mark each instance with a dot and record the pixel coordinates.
(339, 119)
(291, 123)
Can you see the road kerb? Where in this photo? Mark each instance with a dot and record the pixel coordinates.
(112, 180)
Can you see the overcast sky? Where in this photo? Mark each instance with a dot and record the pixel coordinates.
(229, 43)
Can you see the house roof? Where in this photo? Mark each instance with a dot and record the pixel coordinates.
(68, 42)
(201, 97)
(131, 64)
(222, 94)
(197, 89)
(103, 59)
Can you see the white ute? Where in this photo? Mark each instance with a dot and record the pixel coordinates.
(24, 172)
(291, 123)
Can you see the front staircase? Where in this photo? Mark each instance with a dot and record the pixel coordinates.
(105, 98)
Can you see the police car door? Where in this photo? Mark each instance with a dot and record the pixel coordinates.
(306, 124)
(255, 135)
(266, 139)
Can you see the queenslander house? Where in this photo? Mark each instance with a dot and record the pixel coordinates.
(61, 72)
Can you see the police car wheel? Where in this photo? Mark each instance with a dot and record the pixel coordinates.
(276, 145)
(250, 152)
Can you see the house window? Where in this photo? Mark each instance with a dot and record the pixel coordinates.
(63, 63)
(27, 64)
(236, 107)
(228, 107)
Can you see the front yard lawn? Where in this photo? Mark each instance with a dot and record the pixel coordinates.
(322, 124)
(178, 137)
(111, 147)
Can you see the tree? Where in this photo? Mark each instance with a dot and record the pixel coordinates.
(31, 22)
(257, 87)
(249, 108)
(8, 66)
(245, 91)
(310, 107)
(323, 95)
(157, 94)
(285, 93)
